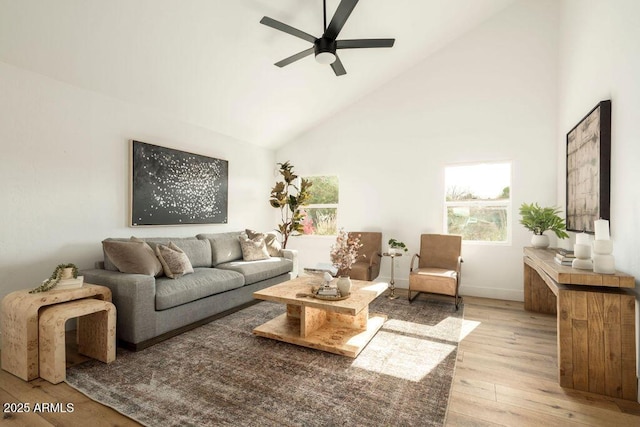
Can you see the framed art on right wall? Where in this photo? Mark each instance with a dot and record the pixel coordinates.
(589, 169)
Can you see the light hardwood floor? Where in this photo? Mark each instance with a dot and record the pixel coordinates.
(505, 375)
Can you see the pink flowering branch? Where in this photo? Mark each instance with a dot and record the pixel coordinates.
(344, 252)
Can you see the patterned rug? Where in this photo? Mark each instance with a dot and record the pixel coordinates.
(220, 374)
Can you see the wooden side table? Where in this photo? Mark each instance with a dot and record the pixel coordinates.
(96, 334)
(392, 282)
(19, 324)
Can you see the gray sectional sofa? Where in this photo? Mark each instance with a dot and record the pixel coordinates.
(150, 309)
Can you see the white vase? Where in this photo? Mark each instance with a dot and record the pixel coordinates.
(344, 285)
(540, 241)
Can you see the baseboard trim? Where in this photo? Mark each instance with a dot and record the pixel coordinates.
(493, 293)
(155, 340)
(472, 291)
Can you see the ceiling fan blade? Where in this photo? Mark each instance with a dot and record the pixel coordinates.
(364, 43)
(287, 29)
(295, 57)
(338, 68)
(339, 18)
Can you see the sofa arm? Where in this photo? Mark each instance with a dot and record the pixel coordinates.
(291, 254)
(134, 296)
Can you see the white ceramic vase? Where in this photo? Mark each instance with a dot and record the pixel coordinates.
(540, 241)
(344, 285)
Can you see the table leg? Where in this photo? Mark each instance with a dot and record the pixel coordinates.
(392, 282)
(311, 319)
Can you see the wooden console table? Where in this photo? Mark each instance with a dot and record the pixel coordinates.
(596, 323)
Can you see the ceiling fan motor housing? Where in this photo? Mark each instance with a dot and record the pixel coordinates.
(325, 50)
(325, 47)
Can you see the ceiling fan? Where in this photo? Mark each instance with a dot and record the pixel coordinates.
(326, 46)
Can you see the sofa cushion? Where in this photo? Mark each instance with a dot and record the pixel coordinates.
(175, 262)
(202, 283)
(253, 249)
(198, 251)
(257, 271)
(225, 247)
(134, 257)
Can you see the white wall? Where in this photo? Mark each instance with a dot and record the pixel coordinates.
(64, 175)
(600, 59)
(490, 95)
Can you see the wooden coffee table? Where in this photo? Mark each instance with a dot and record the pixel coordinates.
(341, 327)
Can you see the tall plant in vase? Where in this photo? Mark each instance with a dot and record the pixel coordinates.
(289, 197)
(344, 253)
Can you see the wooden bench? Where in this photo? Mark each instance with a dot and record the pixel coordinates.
(96, 334)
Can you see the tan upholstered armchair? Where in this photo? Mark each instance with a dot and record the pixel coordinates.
(438, 269)
(367, 266)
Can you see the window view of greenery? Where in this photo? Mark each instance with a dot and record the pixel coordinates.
(320, 215)
(478, 201)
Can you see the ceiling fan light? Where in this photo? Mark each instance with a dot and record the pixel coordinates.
(326, 58)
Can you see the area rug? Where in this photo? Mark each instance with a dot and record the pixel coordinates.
(220, 374)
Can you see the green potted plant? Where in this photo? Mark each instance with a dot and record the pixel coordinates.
(539, 220)
(396, 246)
(62, 271)
(289, 198)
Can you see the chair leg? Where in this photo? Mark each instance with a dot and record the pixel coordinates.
(458, 300)
(414, 297)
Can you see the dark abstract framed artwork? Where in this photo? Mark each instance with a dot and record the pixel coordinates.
(589, 169)
(173, 187)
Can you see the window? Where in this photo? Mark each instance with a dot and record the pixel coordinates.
(478, 202)
(321, 214)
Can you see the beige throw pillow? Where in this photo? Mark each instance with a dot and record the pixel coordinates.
(253, 234)
(134, 257)
(174, 261)
(253, 249)
(270, 240)
(273, 245)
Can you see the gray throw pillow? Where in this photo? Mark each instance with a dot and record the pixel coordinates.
(253, 249)
(134, 257)
(174, 261)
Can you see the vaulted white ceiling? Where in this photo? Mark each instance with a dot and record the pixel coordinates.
(210, 62)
